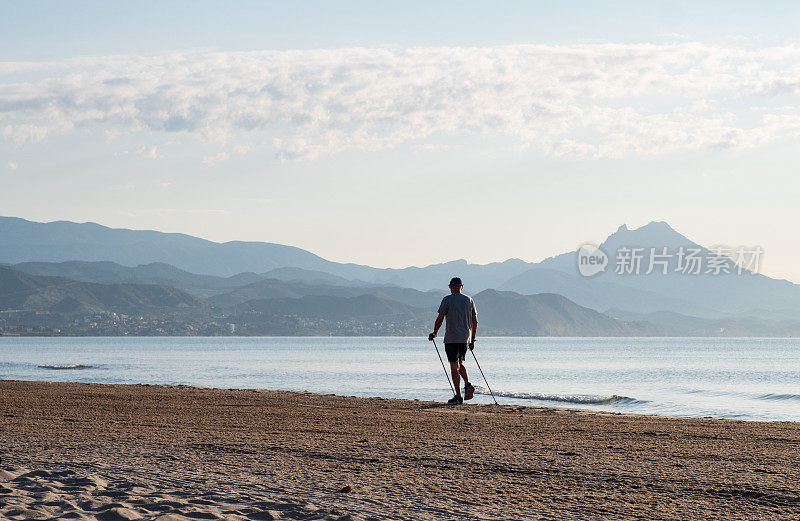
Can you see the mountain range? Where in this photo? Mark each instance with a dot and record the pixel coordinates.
(272, 306)
(200, 286)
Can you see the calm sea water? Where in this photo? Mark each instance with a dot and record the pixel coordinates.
(752, 379)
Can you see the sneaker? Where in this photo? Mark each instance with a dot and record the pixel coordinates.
(455, 400)
(469, 390)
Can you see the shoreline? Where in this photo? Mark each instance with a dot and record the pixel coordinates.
(411, 401)
(573, 406)
(133, 451)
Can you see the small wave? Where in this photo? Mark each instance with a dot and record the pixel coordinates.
(586, 399)
(715, 393)
(66, 367)
(779, 397)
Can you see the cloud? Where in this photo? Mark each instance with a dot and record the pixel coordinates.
(147, 153)
(216, 158)
(25, 133)
(598, 100)
(11, 165)
(173, 211)
(208, 212)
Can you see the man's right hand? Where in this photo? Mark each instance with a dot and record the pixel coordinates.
(431, 336)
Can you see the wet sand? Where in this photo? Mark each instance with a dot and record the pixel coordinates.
(106, 452)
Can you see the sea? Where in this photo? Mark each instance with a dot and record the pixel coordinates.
(735, 378)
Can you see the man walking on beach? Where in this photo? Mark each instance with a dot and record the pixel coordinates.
(459, 333)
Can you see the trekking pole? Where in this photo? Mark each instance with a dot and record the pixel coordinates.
(484, 377)
(443, 369)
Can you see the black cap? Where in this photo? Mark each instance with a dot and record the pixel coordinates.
(455, 281)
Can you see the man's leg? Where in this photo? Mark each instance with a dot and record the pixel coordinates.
(469, 390)
(463, 372)
(455, 367)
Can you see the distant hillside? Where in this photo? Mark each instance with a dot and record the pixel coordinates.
(476, 277)
(23, 241)
(235, 272)
(158, 273)
(546, 314)
(21, 291)
(362, 307)
(500, 313)
(598, 293)
(678, 324)
(290, 274)
(330, 315)
(34, 304)
(27, 241)
(271, 288)
(704, 294)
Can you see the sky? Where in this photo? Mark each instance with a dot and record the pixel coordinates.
(407, 133)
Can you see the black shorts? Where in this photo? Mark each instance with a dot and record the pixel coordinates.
(455, 352)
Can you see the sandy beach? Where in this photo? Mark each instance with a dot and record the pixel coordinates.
(90, 451)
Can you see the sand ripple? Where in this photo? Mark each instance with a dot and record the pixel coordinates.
(68, 494)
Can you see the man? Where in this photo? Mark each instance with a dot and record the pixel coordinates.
(459, 333)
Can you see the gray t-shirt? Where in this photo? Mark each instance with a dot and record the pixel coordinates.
(458, 310)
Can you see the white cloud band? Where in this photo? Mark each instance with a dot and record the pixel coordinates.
(597, 100)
